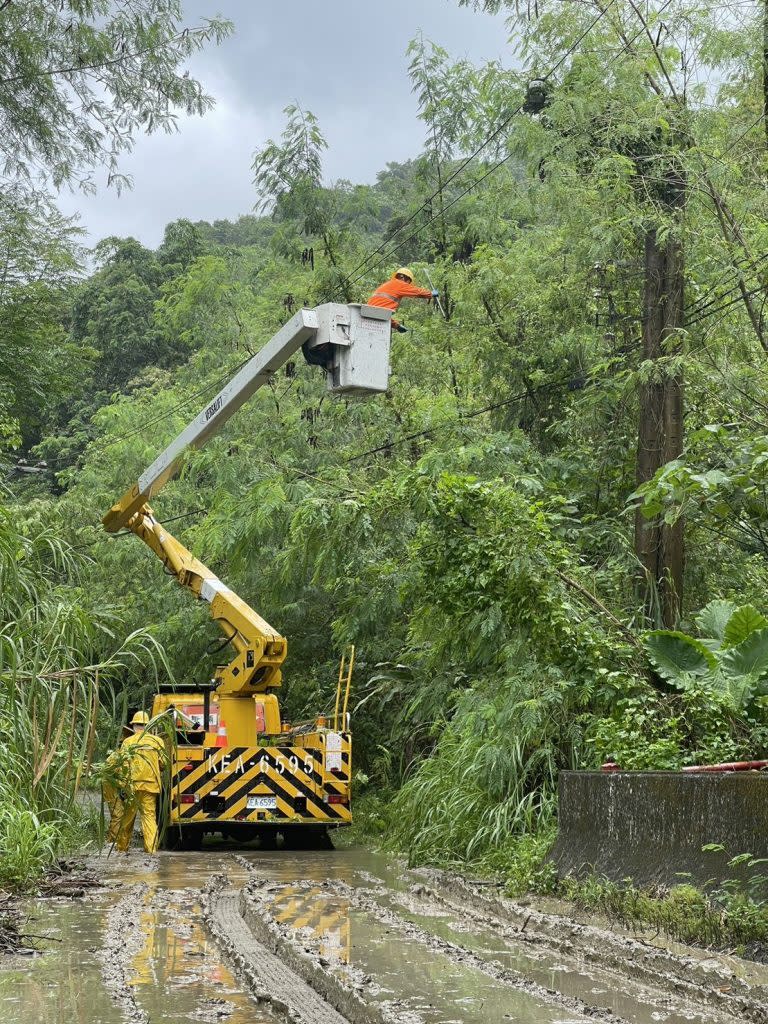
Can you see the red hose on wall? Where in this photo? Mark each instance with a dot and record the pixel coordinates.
(729, 766)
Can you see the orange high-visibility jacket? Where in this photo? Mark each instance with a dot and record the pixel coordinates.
(392, 292)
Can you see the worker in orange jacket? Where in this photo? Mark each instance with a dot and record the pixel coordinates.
(400, 286)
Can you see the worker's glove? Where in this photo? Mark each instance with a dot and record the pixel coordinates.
(435, 293)
(400, 329)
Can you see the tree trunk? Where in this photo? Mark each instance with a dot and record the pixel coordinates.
(659, 546)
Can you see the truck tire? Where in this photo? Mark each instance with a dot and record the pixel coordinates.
(176, 838)
(307, 838)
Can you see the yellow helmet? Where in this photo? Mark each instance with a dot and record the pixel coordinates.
(140, 718)
(406, 272)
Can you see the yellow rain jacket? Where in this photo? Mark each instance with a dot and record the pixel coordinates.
(145, 754)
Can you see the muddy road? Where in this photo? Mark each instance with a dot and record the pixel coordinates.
(255, 937)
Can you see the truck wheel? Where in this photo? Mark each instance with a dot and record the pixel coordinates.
(176, 838)
(191, 839)
(300, 838)
(268, 839)
(323, 840)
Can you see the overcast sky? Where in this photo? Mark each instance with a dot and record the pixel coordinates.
(342, 59)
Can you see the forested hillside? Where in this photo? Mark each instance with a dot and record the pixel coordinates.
(548, 540)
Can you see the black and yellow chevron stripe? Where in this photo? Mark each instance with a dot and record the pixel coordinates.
(326, 916)
(222, 778)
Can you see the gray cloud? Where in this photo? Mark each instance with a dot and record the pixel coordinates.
(343, 60)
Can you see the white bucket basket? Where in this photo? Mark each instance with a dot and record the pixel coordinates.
(359, 339)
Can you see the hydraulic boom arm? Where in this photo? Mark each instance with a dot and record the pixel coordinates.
(352, 344)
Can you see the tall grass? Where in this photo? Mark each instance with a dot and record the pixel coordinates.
(493, 772)
(59, 660)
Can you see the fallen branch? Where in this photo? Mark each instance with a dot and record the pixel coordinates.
(625, 631)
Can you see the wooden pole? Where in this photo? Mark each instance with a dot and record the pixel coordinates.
(660, 546)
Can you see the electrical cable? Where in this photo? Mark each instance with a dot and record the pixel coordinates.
(550, 385)
(364, 264)
(558, 384)
(752, 262)
(96, 447)
(555, 385)
(736, 268)
(726, 305)
(700, 306)
(351, 278)
(128, 533)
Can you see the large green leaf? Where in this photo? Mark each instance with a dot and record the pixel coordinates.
(750, 657)
(741, 690)
(714, 617)
(742, 623)
(675, 655)
(738, 690)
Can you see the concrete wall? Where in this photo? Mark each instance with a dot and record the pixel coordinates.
(651, 826)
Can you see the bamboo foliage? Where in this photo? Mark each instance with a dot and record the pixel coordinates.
(61, 664)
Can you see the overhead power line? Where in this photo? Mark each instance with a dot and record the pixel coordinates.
(724, 306)
(448, 424)
(559, 384)
(366, 262)
(364, 266)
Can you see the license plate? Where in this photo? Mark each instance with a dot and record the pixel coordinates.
(262, 803)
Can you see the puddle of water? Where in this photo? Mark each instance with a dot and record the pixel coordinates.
(442, 990)
(344, 934)
(64, 984)
(172, 871)
(167, 870)
(178, 976)
(358, 867)
(325, 920)
(178, 972)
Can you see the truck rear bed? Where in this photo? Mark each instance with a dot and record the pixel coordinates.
(305, 781)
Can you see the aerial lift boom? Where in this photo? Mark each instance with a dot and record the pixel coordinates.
(282, 778)
(352, 343)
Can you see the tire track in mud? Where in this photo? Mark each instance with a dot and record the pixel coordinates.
(256, 901)
(269, 980)
(287, 971)
(123, 941)
(705, 980)
(417, 902)
(679, 993)
(129, 938)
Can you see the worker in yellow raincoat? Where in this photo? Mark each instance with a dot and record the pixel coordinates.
(143, 754)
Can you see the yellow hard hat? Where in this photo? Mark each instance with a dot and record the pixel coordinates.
(406, 272)
(140, 718)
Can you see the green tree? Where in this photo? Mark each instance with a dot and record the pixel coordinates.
(113, 314)
(40, 258)
(79, 79)
(181, 245)
(288, 178)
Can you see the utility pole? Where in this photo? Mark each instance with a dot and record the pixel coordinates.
(659, 546)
